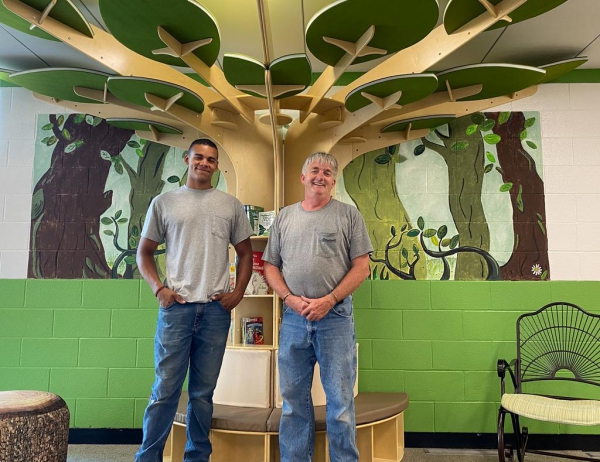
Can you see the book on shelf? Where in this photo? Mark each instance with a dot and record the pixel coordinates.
(258, 284)
(252, 331)
(265, 221)
(252, 212)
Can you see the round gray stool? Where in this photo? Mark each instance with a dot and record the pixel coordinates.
(34, 427)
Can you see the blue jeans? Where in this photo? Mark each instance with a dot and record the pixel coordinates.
(332, 343)
(194, 335)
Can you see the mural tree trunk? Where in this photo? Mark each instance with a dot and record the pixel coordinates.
(464, 154)
(146, 183)
(69, 199)
(371, 179)
(518, 168)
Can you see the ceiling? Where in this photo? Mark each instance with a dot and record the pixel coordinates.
(570, 30)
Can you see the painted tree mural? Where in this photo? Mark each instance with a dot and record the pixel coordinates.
(370, 180)
(69, 198)
(146, 182)
(488, 171)
(464, 154)
(529, 260)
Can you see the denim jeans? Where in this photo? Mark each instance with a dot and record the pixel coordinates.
(332, 343)
(194, 335)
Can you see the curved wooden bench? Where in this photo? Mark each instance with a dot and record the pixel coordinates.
(251, 434)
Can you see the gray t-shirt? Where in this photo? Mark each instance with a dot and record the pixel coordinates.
(314, 250)
(197, 227)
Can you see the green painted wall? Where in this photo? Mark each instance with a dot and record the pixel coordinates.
(91, 343)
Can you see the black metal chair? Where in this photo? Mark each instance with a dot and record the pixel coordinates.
(558, 337)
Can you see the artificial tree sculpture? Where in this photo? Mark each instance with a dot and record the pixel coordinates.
(162, 103)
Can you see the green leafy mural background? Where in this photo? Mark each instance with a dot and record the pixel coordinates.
(93, 185)
(466, 202)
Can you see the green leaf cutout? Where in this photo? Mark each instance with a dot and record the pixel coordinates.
(173, 179)
(421, 223)
(420, 149)
(506, 187)
(530, 122)
(47, 127)
(490, 157)
(488, 168)
(503, 117)
(531, 144)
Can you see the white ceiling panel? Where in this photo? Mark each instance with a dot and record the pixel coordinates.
(559, 34)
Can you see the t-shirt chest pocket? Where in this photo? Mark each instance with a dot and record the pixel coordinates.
(220, 227)
(326, 244)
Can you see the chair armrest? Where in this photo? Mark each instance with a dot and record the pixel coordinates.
(501, 368)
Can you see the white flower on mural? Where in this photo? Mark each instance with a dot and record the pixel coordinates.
(536, 269)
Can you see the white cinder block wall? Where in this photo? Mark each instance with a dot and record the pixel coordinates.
(570, 118)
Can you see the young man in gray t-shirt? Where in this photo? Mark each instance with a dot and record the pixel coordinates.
(197, 223)
(316, 256)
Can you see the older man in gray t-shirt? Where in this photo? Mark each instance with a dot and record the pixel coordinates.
(316, 256)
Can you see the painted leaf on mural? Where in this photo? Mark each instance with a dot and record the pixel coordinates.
(419, 150)
(488, 125)
(460, 146)
(492, 139)
(472, 129)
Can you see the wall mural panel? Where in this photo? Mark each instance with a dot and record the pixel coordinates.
(93, 185)
(466, 202)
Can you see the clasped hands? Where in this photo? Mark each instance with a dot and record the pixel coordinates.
(313, 309)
